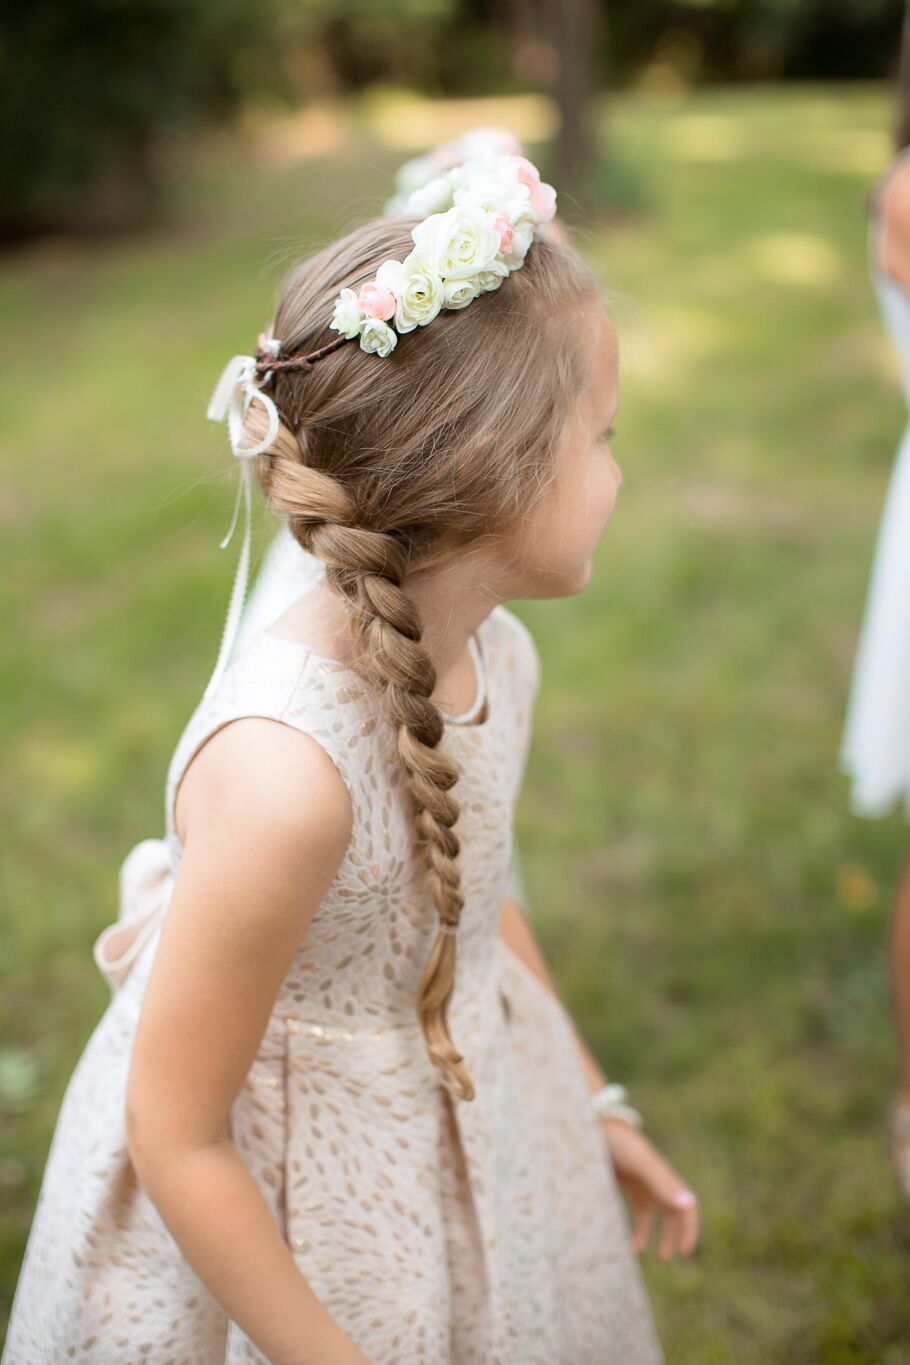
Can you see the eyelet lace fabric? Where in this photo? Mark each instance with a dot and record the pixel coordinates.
(436, 1231)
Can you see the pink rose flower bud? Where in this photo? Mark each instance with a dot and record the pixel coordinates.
(528, 173)
(502, 225)
(542, 196)
(376, 301)
(543, 201)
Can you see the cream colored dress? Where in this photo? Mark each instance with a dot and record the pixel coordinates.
(437, 1232)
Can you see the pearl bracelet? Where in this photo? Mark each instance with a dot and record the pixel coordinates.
(608, 1104)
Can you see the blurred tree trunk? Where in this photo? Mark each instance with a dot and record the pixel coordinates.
(557, 42)
(573, 26)
(902, 123)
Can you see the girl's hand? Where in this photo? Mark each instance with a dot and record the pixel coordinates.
(651, 1184)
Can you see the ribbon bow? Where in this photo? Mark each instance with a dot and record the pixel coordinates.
(146, 883)
(234, 392)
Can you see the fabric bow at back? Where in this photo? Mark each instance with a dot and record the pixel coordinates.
(235, 391)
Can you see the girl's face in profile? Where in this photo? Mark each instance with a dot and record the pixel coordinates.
(556, 543)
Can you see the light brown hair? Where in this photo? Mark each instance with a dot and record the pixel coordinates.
(385, 467)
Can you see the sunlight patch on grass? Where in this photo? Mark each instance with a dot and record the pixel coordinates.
(704, 137)
(794, 258)
(404, 122)
(862, 151)
(317, 131)
(670, 341)
(731, 507)
(67, 766)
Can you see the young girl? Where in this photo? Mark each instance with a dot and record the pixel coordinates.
(875, 750)
(335, 1112)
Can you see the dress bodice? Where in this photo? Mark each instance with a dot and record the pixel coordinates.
(359, 966)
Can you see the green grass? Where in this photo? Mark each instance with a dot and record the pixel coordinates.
(716, 920)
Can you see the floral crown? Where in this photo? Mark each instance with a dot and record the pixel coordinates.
(484, 214)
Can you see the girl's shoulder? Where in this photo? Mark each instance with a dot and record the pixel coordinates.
(275, 680)
(517, 644)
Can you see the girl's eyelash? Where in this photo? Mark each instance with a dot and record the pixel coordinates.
(608, 434)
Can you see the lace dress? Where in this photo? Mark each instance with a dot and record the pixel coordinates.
(436, 1231)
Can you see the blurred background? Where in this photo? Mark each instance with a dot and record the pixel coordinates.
(716, 920)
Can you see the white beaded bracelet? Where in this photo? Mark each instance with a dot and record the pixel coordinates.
(608, 1104)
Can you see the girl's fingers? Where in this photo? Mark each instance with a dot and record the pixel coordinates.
(683, 1217)
(667, 1235)
(652, 1184)
(641, 1225)
(681, 1232)
(689, 1231)
(687, 1220)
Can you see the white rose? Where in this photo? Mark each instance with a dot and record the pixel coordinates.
(412, 174)
(493, 199)
(485, 162)
(458, 243)
(347, 317)
(377, 337)
(459, 293)
(491, 173)
(433, 197)
(417, 287)
(397, 205)
(492, 278)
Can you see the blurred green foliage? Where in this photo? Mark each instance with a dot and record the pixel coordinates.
(716, 920)
(758, 39)
(88, 89)
(97, 99)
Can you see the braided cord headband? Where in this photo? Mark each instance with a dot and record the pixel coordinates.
(484, 214)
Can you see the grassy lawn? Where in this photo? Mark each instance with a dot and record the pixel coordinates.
(716, 920)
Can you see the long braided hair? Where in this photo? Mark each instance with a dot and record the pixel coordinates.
(386, 468)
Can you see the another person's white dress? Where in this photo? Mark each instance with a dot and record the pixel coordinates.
(437, 1232)
(875, 748)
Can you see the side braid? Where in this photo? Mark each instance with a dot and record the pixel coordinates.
(366, 569)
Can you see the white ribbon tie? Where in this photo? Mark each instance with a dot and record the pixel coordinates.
(234, 392)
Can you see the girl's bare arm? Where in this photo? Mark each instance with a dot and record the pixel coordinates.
(892, 206)
(267, 819)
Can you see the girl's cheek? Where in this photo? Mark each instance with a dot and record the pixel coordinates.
(606, 494)
(610, 491)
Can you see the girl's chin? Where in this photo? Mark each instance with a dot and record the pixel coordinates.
(578, 581)
(559, 583)
(588, 570)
